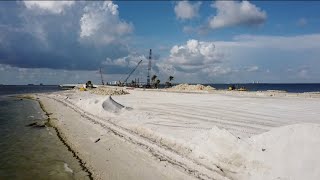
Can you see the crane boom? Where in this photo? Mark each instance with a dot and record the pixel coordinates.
(125, 81)
(149, 68)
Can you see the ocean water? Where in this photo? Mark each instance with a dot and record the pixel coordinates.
(294, 88)
(291, 88)
(28, 152)
(19, 89)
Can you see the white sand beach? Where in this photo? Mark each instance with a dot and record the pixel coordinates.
(152, 134)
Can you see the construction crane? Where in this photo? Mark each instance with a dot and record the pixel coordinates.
(101, 77)
(125, 81)
(149, 69)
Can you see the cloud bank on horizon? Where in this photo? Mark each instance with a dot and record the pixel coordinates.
(68, 41)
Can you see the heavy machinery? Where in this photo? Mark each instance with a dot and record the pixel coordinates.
(134, 69)
(149, 69)
(101, 77)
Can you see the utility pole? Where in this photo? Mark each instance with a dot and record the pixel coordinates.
(149, 69)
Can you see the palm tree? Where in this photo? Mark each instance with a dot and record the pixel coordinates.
(157, 83)
(171, 78)
(168, 83)
(153, 78)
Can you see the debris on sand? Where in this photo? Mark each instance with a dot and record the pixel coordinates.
(112, 106)
(108, 91)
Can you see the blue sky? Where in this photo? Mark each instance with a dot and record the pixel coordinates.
(195, 41)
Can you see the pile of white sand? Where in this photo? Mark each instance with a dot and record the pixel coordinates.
(187, 87)
(288, 152)
(108, 91)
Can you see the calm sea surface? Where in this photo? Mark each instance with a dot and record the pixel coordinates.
(20, 89)
(28, 152)
(294, 88)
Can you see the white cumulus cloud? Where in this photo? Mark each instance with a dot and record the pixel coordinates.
(194, 52)
(194, 55)
(232, 13)
(54, 7)
(101, 23)
(186, 10)
(246, 55)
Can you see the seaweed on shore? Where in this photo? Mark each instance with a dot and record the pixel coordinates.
(25, 96)
(36, 125)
